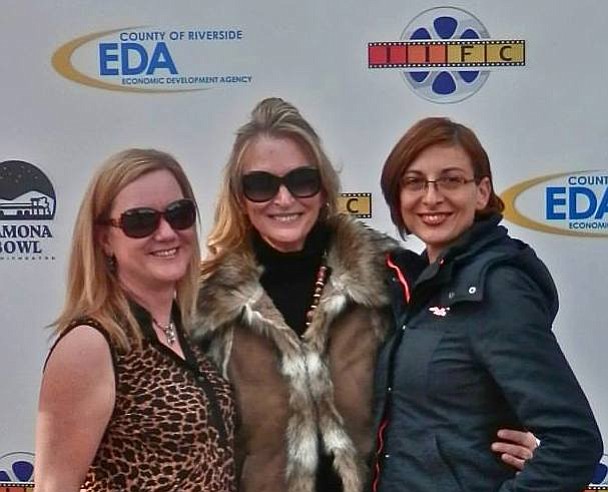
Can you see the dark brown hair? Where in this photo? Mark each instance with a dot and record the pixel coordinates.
(422, 135)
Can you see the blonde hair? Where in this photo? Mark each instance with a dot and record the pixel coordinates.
(272, 117)
(93, 290)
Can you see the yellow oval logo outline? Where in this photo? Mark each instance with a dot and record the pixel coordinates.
(62, 63)
(512, 214)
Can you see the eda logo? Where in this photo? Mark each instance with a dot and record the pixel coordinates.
(570, 204)
(17, 467)
(445, 54)
(154, 59)
(27, 207)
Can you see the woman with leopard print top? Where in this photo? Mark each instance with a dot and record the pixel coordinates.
(127, 402)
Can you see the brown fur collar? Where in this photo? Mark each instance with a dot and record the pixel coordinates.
(356, 258)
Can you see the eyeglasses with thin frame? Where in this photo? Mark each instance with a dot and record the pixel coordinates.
(445, 184)
(143, 221)
(261, 186)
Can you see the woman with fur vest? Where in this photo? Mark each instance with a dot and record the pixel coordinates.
(293, 309)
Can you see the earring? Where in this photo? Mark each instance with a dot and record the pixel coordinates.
(324, 212)
(111, 263)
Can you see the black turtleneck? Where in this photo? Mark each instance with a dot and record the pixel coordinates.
(289, 278)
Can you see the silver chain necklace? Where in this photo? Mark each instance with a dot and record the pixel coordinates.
(168, 330)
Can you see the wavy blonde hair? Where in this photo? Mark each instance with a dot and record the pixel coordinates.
(276, 118)
(93, 290)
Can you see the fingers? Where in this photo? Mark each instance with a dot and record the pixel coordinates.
(521, 453)
(515, 447)
(512, 461)
(526, 439)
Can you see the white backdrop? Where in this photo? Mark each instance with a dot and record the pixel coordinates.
(542, 118)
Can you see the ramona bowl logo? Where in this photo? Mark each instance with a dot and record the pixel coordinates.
(570, 204)
(445, 54)
(154, 59)
(27, 207)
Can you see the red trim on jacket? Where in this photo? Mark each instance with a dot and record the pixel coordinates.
(384, 423)
(379, 449)
(400, 277)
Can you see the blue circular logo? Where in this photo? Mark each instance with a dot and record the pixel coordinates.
(600, 476)
(445, 23)
(17, 467)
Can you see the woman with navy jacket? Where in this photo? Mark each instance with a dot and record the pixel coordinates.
(473, 351)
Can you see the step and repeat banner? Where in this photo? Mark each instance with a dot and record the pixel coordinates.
(81, 80)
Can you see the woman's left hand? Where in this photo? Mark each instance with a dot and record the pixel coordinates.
(515, 447)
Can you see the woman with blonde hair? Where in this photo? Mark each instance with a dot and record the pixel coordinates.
(293, 309)
(127, 401)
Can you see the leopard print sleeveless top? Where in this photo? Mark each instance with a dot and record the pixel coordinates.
(172, 428)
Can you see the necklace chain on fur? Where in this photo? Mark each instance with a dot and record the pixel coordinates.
(319, 285)
(168, 330)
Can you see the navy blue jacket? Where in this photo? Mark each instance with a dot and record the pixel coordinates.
(473, 352)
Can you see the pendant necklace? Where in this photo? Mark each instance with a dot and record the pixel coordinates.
(168, 330)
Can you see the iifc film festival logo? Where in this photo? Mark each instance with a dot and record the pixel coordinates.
(445, 54)
(16, 468)
(27, 209)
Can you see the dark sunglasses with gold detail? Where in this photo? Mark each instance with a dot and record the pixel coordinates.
(143, 221)
(302, 182)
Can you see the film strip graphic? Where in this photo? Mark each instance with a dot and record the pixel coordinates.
(356, 204)
(16, 486)
(451, 53)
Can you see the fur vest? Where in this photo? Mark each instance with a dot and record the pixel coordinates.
(293, 393)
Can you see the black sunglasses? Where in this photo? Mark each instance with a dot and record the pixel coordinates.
(143, 221)
(302, 182)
